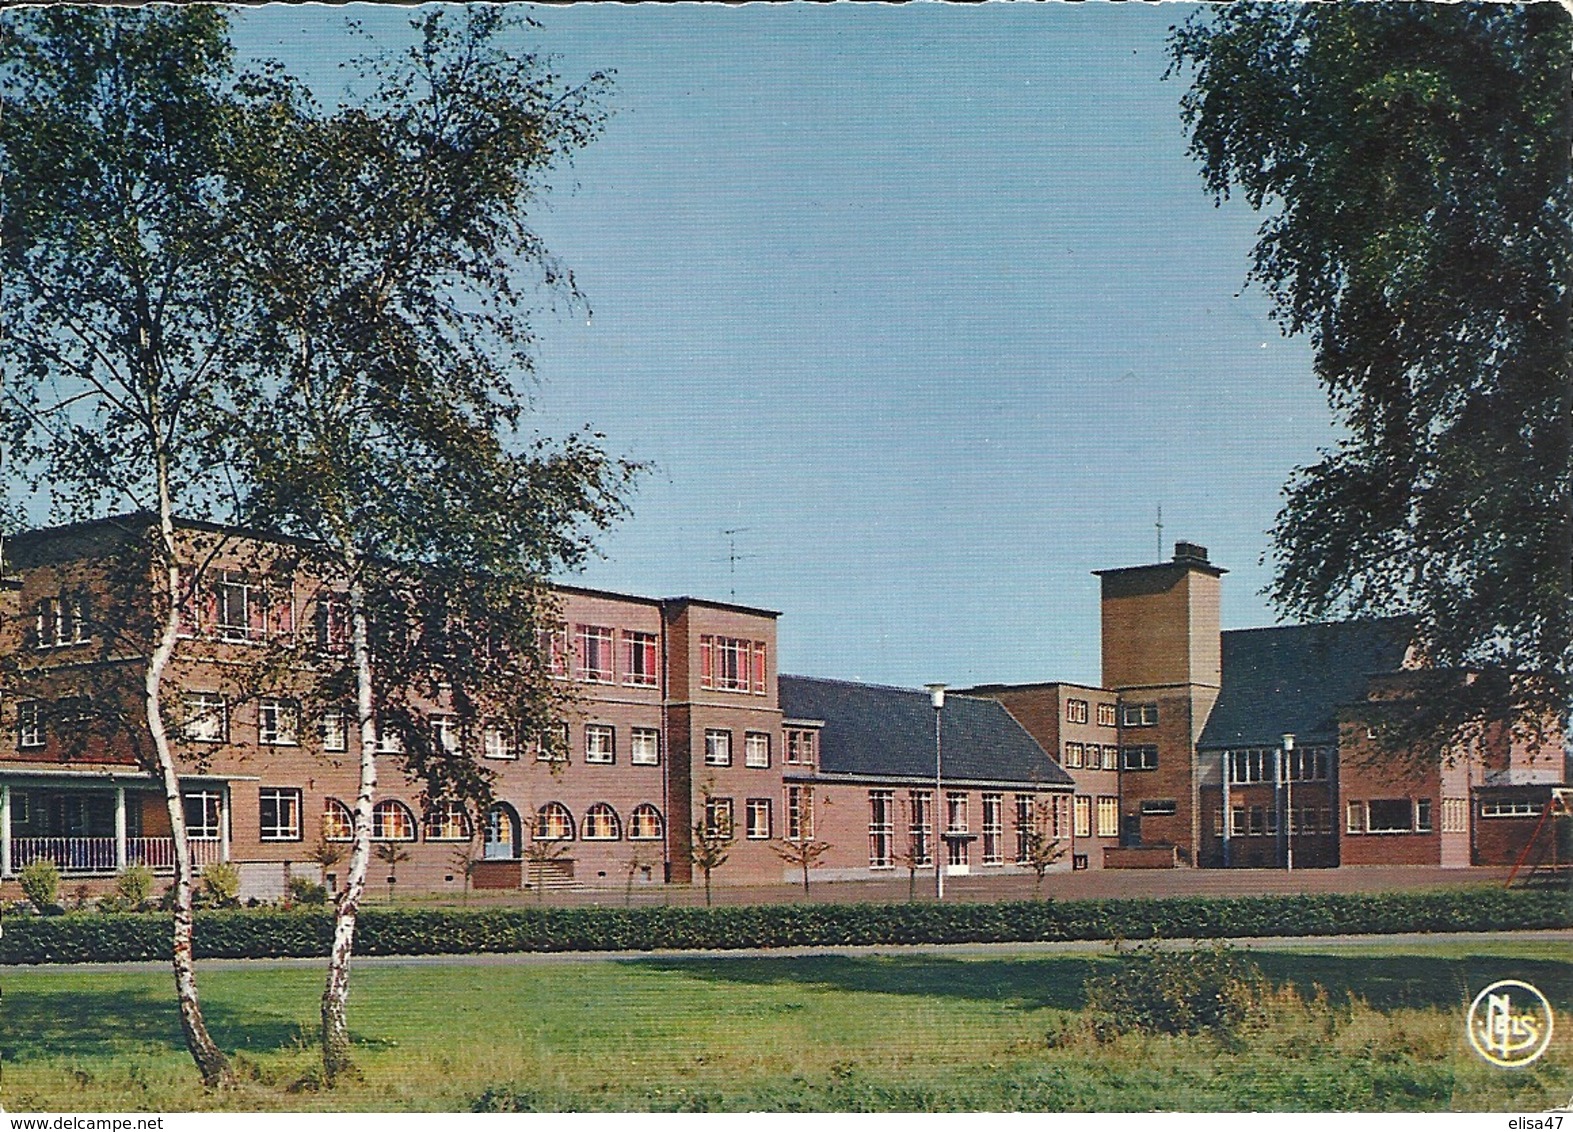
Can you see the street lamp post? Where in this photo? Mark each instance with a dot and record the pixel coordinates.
(937, 698)
(1288, 740)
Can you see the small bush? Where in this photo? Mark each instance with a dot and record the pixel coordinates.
(133, 891)
(40, 884)
(304, 890)
(220, 885)
(1174, 992)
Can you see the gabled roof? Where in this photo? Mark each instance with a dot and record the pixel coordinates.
(1293, 679)
(872, 731)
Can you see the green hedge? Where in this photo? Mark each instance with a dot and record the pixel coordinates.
(264, 933)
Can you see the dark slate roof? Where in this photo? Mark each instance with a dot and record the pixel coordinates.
(1295, 678)
(872, 731)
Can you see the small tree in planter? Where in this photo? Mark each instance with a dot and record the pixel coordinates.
(389, 853)
(802, 853)
(1043, 849)
(712, 839)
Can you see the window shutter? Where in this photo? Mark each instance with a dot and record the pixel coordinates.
(706, 672)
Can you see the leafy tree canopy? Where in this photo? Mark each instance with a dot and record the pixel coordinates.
(1412, 165)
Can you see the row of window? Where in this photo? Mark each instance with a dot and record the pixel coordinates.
(1108, 811)
(1262, 821)
(1272, 764)
(718, 748)
(596, 655)
(1388, 815)
(1092, 756)
(731, 664)
(1076, 712)
(60, 621)
(883, 821)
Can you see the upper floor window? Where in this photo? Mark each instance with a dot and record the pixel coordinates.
(639, 659)
(207, 717)
(332, 623)
(718, 747)
(598, 743)
(278, 722)
(335, 735)
(718, 817)
(956, 812)
(246, 609)
(1111, 757)
(758, 815)
(595, 654)
(731, 664)
(644, 747)
(1107, 716)
(756, 749)
(553, 643)
(800, 746)
(1139, 715)
(1075, 711)
(1144, 757)
(60, 621)
(497, 741)
(1073, 755)
(445, 733)
(29, 724)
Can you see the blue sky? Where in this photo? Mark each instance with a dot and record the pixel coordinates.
(927, 299)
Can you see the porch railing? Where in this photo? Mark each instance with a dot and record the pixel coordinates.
(97, 854)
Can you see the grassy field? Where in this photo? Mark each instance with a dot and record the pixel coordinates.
(1378, 1029)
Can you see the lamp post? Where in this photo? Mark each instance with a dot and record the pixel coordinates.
(937, 698)
(1288, 741)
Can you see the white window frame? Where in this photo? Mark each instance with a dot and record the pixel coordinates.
(1455, 815)
(338, 821)
(285, 822)
(1139, 757)
(592, 815)
(335, 729)
(600, 744)
(207, 717)
(604, 642)
(757, 829)
(719, 818)
(1108, 816)
(801, 746)
(1074, 753)
(881, 829)
(380, 823)
(718, 747)
(799, 813)
(447, 821)
(639, 649)
(278, 722)
(756, 749)
(30, 724)
(1108, 715)
(1139, 715)
(644, 746)
(641, 810)
(445, 733)
(498, 740)
(993, 829)
(1076, 711)
(1081, 815)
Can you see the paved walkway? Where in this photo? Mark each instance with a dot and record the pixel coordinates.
(949, 950)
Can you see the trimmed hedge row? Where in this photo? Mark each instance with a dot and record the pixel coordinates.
(270, 933)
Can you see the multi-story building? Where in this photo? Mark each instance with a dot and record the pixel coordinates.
(1201, 748)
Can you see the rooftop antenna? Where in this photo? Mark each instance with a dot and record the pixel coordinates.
(1159, 525)
(733, 557)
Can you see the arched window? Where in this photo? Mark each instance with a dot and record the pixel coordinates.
(392, 821)
(644, 824)
(447, 821)
(502, 833)
(601, 823)
(338, 824)
(553, 822)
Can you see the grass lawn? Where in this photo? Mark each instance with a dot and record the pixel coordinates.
(1000, 1032)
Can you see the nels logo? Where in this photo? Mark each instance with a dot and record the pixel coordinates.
(1510, 1023)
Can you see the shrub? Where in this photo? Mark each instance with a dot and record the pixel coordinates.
(133, 890)
(40, 883)
(220, 885)
(1155, 991)
(304, 890)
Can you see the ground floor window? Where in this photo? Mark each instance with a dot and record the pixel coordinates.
(1082, 814)
(800, 813)
(203, 815)
(1389, 815)
(447, 821)
(601, 823)
(922, 828)
(1108, 817)
(391, 820)
(338, 824)
(993, 830)
(645, 824)
(758, 818)
(881, 828)
(718, 817)
(1509, 809)
(1024, 815)
(1455, 815)
(553, 822)
(280, 814)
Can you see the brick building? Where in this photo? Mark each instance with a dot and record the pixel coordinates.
(680, 718)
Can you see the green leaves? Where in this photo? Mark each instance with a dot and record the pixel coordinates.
(1412, 161)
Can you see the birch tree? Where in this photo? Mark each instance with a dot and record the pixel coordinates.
(116, 311)
(395, 269)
